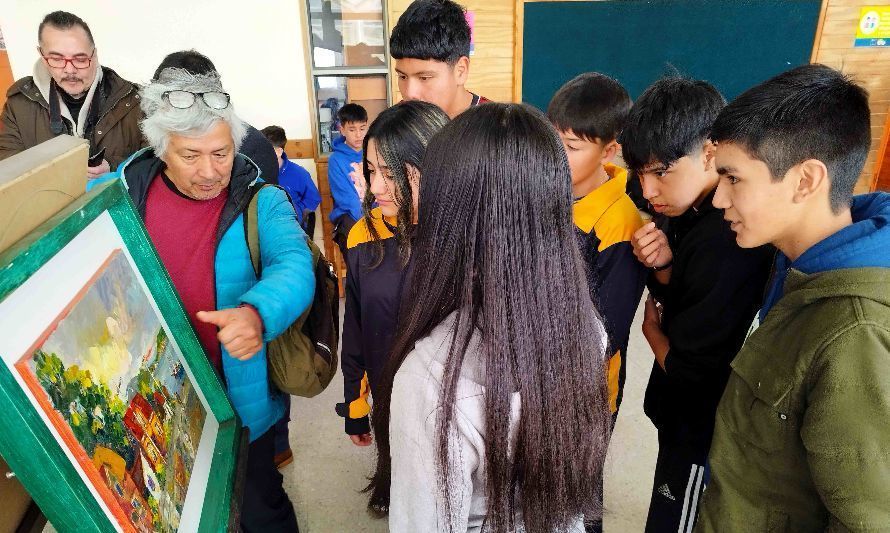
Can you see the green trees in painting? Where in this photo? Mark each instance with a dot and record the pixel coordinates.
(94, 413)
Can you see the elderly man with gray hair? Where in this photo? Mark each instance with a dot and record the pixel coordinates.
(192, 188)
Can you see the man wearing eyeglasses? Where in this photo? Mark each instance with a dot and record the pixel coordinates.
(71, 93)
(192, 187)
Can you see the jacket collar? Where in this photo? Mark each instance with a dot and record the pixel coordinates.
(43, 82)
(589, 209)
(144, 166)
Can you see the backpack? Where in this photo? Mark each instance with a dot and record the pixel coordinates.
(303, 359)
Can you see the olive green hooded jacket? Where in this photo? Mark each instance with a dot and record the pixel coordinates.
(802, 438)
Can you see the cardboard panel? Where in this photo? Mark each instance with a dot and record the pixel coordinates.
(38, 183)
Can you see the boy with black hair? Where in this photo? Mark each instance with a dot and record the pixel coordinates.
(704, 289)
(588, 112)
(295, 179)
(352, 122)
(431, 47)
(802, 431)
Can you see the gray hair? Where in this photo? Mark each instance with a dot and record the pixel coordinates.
(162, 119)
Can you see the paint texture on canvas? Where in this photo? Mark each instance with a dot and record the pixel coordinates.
(115, 388)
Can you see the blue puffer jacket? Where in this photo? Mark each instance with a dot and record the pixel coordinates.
(283, 293)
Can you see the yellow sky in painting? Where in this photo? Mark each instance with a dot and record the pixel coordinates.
(109, 358)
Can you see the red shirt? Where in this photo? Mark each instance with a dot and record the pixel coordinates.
(184, 232)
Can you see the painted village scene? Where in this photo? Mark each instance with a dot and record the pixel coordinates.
(109, 369)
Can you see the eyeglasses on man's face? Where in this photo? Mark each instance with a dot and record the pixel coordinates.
(186, 99)
(80, 61)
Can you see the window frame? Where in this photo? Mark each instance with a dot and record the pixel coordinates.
(343, 71)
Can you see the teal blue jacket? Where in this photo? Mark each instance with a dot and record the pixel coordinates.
(280, 296)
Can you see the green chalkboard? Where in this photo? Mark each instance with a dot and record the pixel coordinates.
(733, 44)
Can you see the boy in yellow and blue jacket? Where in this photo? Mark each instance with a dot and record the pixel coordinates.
(589, 112)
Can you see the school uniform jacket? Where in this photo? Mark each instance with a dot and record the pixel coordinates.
(715, 291)
(605, 220)
(369, 323)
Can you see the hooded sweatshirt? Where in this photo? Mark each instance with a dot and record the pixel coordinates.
(802, 435)
(865, 243)
(346, 200)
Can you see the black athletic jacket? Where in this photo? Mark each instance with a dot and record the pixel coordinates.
(715, 291)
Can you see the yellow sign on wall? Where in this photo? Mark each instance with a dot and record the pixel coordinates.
(874, 26)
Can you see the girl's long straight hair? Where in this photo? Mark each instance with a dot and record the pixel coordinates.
(496, 231)
(401, 133)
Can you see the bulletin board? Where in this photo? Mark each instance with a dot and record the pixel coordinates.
(733, 44)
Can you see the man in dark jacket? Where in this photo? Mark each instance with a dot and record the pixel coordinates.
(70, 93)
(704, 289)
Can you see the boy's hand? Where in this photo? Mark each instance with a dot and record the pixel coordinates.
(358, 179)
(240, 330)
(652, 314)
(655, 336)
(651, 246)
(364, 439)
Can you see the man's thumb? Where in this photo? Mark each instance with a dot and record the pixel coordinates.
(210, 317)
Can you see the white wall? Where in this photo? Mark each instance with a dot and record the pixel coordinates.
(257, 46)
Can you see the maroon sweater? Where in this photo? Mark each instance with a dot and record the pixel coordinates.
(184, 232)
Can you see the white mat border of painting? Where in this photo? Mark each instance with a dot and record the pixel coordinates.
(41, 297)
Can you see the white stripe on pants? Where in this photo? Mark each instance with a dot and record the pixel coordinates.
(690, 506)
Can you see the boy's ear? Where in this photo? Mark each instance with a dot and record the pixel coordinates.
(709, 150)
(812, 180)
(462, 70)
(610, 150)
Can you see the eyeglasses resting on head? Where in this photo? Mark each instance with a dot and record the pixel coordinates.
(186, 99)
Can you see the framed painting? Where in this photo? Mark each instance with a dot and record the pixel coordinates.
(113, 418)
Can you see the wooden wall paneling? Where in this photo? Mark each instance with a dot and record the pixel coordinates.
(869, 66)
(6, 79)
(299, 149)
(881, 180)
(331, 250)
(858, 3)
(820, 28)
(492, 62)
(518, 25)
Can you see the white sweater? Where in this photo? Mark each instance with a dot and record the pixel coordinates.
(416, 503)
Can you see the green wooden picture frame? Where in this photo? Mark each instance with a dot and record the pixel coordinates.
(30, 444)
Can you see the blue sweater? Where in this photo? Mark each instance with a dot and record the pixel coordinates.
(860, 245)
(346, 200)
(297, 181)
(284, 292)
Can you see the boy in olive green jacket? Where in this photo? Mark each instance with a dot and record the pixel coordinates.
(802, 437)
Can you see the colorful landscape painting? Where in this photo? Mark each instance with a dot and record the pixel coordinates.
(114, 387)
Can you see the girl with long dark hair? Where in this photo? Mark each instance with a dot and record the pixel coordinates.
(492, 411)
(379, 250)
